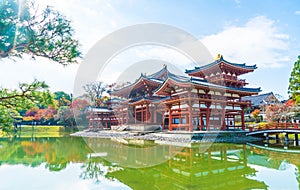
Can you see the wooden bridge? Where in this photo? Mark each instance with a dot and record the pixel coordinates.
(287, 129)
(274, 128)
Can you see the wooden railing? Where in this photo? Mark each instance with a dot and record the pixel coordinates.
(224, 77)
(271, 126)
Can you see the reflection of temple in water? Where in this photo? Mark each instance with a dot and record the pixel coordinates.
(153, 166)
(193, 167)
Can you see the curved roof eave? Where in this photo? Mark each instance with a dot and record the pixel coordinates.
(216, 62)
(130, 86)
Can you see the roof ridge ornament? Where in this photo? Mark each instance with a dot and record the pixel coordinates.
(219, 57)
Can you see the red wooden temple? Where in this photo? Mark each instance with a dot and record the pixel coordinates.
(101, 118)
(207, 98)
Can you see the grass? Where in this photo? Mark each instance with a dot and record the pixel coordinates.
(40, 131)
(42, 128)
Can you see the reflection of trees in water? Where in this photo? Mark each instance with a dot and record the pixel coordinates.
(214, 168)
(56, 153)
(297, 175)
(56, 167)
(92, 169)
(96, 168)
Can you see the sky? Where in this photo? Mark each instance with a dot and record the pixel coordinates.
(265, 33)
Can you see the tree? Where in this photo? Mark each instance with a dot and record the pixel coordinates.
(44, 116)
(62, 98)
(294, 86)
(26, 97)
(78, 108)
(65, 116)
(26, 29)
(73, 114)
(255, 114)
(95, 92)
(282, 112)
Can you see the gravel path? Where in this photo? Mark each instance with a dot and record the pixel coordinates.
(228, 138)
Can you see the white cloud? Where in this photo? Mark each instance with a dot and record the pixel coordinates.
(141, 59)
(91, 20)
(297, 12)
(258, 42)
(26, 70)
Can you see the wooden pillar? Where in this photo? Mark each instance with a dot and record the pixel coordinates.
(223, 115)
(208, 104)
(122, 116)
(186, 117)
(243, 117)
(142, 114)
(163, 121)
(155, 114)
(190, 118)
(190, 106)
(170, 118)
(127, 115)
(201, 121)
(200, 115)
(135, 114)
(147, 113)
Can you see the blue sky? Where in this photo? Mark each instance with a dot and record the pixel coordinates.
(265, 33)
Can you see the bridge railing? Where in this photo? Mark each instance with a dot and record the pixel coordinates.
(271, 126)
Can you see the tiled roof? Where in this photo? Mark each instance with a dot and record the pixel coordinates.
(157, 77)
(199, 81)
(259, 99)
(136, 81)
(151, 98)
(196, 80)
(243, 65)
(159, 73)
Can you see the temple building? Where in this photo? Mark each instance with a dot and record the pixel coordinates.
(207, 98)
(101, 117)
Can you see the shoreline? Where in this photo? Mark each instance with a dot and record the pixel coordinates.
(178, 136)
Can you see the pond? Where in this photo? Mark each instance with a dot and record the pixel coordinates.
(89, 163)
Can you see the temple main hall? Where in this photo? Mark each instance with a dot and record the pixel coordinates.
(208, 98)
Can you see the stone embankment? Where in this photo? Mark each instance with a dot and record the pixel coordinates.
(176, 136)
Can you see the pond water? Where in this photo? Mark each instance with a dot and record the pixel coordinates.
(89, 163)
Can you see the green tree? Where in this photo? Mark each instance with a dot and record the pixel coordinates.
(26, 97)
(62, 98)
(65, 116)
(294, 87)
(24, 28)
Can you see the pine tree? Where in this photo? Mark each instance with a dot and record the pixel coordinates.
(294, 87)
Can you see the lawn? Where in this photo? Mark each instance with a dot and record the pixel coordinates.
(41, 131)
